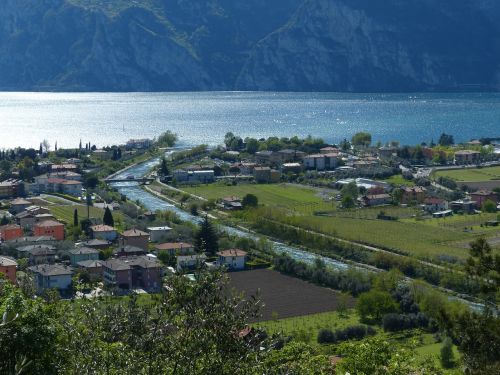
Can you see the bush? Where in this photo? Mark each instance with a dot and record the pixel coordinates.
(447, 358)
(358, 332)
(373, 305)
(325, 336)
(399, 322)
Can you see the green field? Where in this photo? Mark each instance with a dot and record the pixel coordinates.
(413, 237)
(399, 180)
(471, 174)
(290, 197)
(65, 213)
(307, 327)
(420, 238)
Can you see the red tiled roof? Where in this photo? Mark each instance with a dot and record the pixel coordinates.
(134, 233)
(49, 223)
(173, 245)
(433, 200)
(10, 226)
(232, 253)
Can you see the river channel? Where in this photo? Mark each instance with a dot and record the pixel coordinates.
(133, 191)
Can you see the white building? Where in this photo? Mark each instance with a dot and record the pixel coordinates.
(317, 161)
(204, 177)
(63, 182)
(104, 232)
(51, 276)
(190, 261)
(158, 234)
(139, 143)
(233, 259)
(321, 162)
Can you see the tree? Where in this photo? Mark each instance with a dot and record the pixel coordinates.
(374, 304)
(45, 146)
(478, 333)
(345, 145)
(376, 356)
(167, 139)
(347, 202)
(362, 139)
(4, 220)
(295, 359)
(485, 267)
(193, 209)
(127, 337)
(206, 239)
(228, 138)
(28, 334)
(446, 140)
(108, 218)
(75, 218)
(342, 308)
(90, 181)
(447, 358)
(251, 145)
(489, 206)
(250, 201)
(350, 189)
(164, 167)
(388, 281)
(478, 338)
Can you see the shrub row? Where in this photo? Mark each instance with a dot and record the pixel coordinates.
(326, 336)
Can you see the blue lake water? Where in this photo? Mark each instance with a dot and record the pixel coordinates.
(109, 118)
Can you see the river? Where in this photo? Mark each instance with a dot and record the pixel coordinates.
(134, 192)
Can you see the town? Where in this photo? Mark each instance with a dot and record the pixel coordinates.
(311, 226)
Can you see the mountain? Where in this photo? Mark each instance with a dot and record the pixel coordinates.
(289, 45)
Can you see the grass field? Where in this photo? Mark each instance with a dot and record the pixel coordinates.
(291, 197)
(307, 326)
(399, 180)
(413, 237)
(471, 174)
(65, 213)
(420, 238)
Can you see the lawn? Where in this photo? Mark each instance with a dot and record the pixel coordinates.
(398, 180)
(471, 174)
(65, 213)
(307, 327)
(290, 197)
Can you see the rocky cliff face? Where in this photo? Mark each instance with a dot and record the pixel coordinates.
(297, 45)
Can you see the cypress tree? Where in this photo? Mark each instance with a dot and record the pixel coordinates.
(108, 218)
(447, 357)
(206, 239)
(75, 218)
(164, 167)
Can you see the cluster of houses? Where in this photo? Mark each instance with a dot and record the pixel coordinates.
(268, 166)
(134, 263)
(31, 221)
(378, 193)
